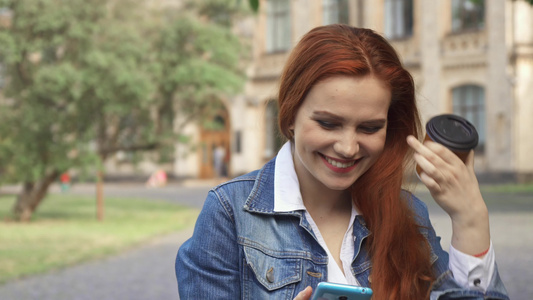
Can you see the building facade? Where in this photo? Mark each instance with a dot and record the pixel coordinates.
(468, 57)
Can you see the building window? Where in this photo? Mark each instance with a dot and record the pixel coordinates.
(468, 15)
(469, 103)
(278, 36)
(336, 12)
(398, 18)
(273, 137)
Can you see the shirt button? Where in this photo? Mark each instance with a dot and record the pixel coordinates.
(477, 282)
(270, 275)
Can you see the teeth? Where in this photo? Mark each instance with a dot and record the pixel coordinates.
(339, 164)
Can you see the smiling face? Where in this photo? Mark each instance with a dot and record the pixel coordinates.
(340, 131)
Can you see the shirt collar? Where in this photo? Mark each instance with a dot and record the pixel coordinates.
(287, 196)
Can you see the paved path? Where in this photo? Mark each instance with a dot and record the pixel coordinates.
(147, 272)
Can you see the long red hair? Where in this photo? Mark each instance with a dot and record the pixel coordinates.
(400, 255)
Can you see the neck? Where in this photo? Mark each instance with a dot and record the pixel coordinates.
(325, 200)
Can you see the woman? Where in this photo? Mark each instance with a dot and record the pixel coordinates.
(330, 206)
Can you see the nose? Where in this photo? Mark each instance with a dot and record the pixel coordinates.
(347, 145)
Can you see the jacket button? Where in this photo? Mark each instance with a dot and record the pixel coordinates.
(369, 278)
(270, 275)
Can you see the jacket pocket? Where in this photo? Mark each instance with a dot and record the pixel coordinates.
(273, 272)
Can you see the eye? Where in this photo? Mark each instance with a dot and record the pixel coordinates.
(371, 129)
(326, 124)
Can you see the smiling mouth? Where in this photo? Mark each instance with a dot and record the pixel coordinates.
(338, 164)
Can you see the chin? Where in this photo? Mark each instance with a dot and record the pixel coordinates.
(336, 186)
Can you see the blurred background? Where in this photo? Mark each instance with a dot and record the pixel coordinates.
(161, 93)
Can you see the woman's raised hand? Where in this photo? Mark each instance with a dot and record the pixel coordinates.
(454, 186)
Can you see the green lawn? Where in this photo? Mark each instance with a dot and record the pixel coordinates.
(64, 231)
(508, 188)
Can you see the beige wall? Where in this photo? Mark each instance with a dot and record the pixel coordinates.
(522, 77)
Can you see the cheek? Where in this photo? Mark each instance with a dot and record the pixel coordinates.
(376, 144)
(311, 136)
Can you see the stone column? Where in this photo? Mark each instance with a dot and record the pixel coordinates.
(522, 20)
(498, 96)
(301, 19)
(429, 97)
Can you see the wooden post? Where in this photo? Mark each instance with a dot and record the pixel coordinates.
(100, 193)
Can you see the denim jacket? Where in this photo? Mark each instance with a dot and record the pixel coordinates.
(242, 249)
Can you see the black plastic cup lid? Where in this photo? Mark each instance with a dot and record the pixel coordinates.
(452, 131)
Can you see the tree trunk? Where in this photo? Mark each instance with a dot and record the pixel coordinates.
(100, 195)
(31, 196)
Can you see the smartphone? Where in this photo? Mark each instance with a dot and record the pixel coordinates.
(337, 291)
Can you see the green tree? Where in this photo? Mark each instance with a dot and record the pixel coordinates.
(195, 63)
(43, 131)
(117, 97)
(88, 79)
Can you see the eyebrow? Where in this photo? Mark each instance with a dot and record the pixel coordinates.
(322, 113)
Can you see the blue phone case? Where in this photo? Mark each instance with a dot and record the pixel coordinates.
(337, 291)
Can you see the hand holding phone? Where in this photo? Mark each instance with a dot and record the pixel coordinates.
(337, 291)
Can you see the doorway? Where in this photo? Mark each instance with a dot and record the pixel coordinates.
(215, 146)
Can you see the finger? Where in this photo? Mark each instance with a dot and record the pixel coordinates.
(430, 183)
(428, 167)
(469, 162)
(424, 163)
(425, 150)
(414, 143)
(445, 154)
(305, 294)
(421, 157)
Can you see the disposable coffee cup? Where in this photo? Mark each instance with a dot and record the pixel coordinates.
(454, 132)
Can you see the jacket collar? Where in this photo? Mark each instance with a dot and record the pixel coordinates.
(261, 198)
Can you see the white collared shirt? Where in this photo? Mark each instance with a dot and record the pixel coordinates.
(467, 270)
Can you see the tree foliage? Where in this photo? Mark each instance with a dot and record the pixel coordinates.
(85, 79)
(195, 62)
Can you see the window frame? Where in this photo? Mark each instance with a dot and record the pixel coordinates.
(278, 26)
(467, 21)
(335, 12)
(399, 19)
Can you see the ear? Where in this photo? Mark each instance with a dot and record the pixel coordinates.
(291, 130)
